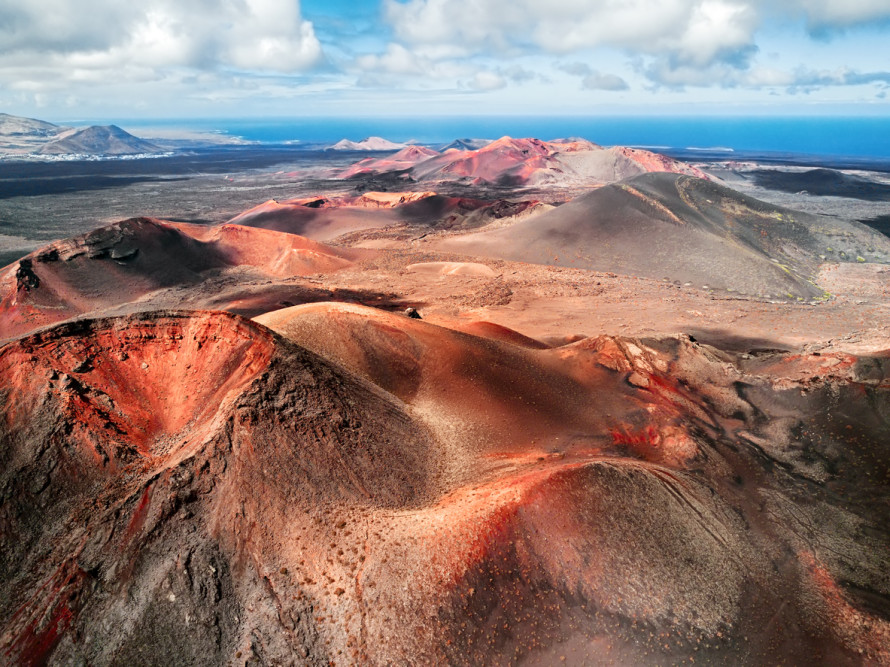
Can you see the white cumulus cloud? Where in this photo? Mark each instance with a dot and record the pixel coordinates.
(682, 42)
(487, 81)
(592, 79)
(695, 31)
(268, 35)
(827, 14)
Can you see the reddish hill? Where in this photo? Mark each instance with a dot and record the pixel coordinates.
(506, 161)
(123, 262)
(482, 383)
(404, 159)
(656, 162)
(318, 219)
(510, 161)
(175, 446)
(327, 218)
(195, 488)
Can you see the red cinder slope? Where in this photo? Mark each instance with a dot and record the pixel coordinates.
(655, 162)
(510, 161)
(274, 253)
(125, 261)
(154, 466)
(515, 401)
(326, 218)
(315, 219)
(194, 488)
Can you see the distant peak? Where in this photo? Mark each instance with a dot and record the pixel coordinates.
(367, 144)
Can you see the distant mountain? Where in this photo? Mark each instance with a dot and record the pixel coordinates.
(465, 145)
(23, 136)
(98, 140)
(17, 126)
(369, 144)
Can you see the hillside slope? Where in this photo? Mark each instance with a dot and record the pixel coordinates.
(684, 229)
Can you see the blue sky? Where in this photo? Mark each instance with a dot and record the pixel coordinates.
(65, 59)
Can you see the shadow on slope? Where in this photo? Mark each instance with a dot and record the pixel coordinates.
(684, 229)
(150, 462)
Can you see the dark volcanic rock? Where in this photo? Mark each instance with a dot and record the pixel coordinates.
(25, 278)
(822, 182)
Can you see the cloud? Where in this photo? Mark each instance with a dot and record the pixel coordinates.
(692, 30)
(399, 68)
(267, 35)
(806, 81)
(682, 42)
(59, 26)
(592, 79)
(395, 60)
(168, 54)
(801, 80)
(838, 14)
(597, 81)
(689, 31)
(575, 69)
(487, 81)
(518, 74)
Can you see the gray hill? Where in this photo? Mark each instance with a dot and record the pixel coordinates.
(466, 145)
(98, 140)
(22, 136)
(17, 126)
(686, 229)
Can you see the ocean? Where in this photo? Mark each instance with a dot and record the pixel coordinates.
(813, 136)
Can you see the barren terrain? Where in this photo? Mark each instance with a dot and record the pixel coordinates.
(476, 416)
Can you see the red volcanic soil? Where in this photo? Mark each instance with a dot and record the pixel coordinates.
(506, 161)
(483, 384)
(315, 219)
(573, 145)
(447, 213)
(452, 269)
(509, 161)
(404, 159)
(125, 261)
(174, 447)
(364, 488)
(327, 218)
(655, 162)
(276, 254)
(146, 264)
